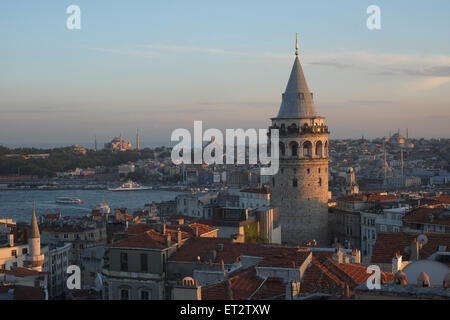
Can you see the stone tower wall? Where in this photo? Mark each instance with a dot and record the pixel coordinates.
(303, 204)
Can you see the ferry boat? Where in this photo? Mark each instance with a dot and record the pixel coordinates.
(67, 200)
(130, 186)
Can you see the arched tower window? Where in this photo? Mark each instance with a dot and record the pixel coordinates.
(307, 149)
(294, 148)
(326, 149)
(282, 149)
(320, 182)
(319, 149)
(295, 183)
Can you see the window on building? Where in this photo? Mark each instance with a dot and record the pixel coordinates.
(124, 261)
(124, 294)
(24, 250)
(66, 236)
(144, 295)
(382, 228)
(308, 171)
(320, 182)
(295, 183)
(13, 253)
(144, 262)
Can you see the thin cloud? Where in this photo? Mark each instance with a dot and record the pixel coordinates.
(387, 64)
(425, 84)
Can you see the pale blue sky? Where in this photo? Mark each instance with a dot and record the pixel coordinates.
(160, 65)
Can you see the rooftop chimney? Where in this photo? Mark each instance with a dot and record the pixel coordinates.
(339, 256)
(196, 231)
(168, 240)
(163, 228)
(397, 263)
(347, 291)
(229, 290)
(415, 250)
(179, 236)
(11, 239)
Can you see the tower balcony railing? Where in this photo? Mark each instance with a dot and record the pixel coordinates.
(296, 130)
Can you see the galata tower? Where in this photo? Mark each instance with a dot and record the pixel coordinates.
(300, 188)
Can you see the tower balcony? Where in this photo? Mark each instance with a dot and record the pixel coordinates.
(292, 130)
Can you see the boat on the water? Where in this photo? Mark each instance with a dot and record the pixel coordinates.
(130, 186)
(68, 200)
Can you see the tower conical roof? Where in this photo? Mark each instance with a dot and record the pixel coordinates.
(34, 225)
(297, 100)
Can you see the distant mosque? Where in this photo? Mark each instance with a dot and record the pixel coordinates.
(399, 141)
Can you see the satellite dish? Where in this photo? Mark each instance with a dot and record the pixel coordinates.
(422, 239)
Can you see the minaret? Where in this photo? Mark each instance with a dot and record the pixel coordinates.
(385, 163)
(402, 160)
(34, 258)
(300, 188)
(95, 143)
(138, 146)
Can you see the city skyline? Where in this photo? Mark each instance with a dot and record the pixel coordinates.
(158, 68)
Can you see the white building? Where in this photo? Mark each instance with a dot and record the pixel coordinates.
(252, 198)
(56, 261)
(196, 204)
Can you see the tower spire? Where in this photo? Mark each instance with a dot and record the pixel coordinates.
(297, 101)
(34, 224)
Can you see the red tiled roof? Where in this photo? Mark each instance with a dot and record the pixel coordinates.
(317, 278)
(202, 228)
(371, 197)
(257, 190)
(272, 289)
(389, 243)
(138, 228)
(422, 215)
(443, 199)
(377, 197)
(147, 240)
(352, 274)
(22, 272)
(243, 285)
(272, 256)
